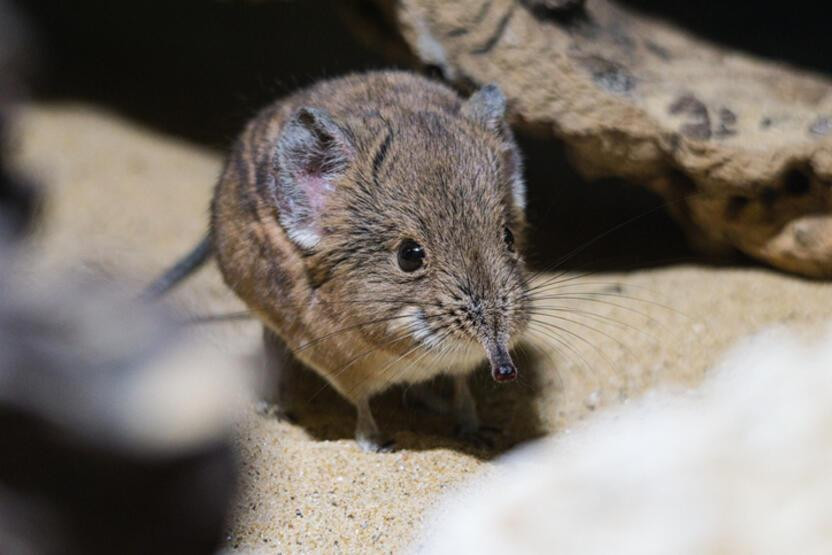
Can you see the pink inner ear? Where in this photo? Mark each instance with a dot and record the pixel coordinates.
(317, 189)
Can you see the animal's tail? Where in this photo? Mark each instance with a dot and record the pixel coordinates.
(179, 271)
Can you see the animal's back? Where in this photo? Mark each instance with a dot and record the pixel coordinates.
(361, 100)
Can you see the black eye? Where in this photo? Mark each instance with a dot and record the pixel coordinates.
(508, 237)
(411, 255)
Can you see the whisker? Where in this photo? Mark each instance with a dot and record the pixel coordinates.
(580, 248)
(596, 330)
(551, 335)
(414, 361)
(522, 374)
(441, 338)
(554, 336)
(573, 297)
(443, 353)
(245, 314)
(213, 318)
(561, 276)
(591, 296)
(597, 317)
(358, 357)
(392, 363)
(317, 340)
(575, 335)
(568, 288)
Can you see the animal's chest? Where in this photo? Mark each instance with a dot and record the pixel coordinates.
(428, 365)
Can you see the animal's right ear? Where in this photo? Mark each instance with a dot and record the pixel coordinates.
(312, 153)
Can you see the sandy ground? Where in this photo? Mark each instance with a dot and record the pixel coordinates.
(125, 202)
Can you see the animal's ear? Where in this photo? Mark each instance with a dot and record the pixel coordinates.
(312, 153)
(487, 107)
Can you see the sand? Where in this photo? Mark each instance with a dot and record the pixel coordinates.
(125, 201)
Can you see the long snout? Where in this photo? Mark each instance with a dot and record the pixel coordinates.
(502, 367)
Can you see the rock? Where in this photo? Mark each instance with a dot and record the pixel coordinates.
(740, 147)
(116, 436)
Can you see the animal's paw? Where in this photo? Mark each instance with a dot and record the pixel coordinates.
(376, 443)
(273, 410)
(483, 437)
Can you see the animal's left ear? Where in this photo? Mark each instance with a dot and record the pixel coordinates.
(487, 107)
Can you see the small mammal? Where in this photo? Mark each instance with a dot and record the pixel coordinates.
(369, 221)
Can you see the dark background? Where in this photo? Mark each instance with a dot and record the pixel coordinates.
(200, 68)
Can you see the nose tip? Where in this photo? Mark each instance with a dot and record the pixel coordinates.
(502, 367)
(505, 372)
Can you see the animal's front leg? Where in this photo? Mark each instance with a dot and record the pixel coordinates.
(367, 434)
(468, 426)
(465, 408)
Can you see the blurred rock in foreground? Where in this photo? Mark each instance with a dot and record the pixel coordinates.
(738, 466)
(115, 427)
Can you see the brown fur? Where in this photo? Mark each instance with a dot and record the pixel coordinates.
(424, 165)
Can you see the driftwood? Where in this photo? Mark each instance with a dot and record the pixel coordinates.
(740, 147)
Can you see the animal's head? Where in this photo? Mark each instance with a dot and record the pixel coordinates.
(413, 231)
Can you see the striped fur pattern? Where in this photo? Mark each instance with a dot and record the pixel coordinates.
(316, 199)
